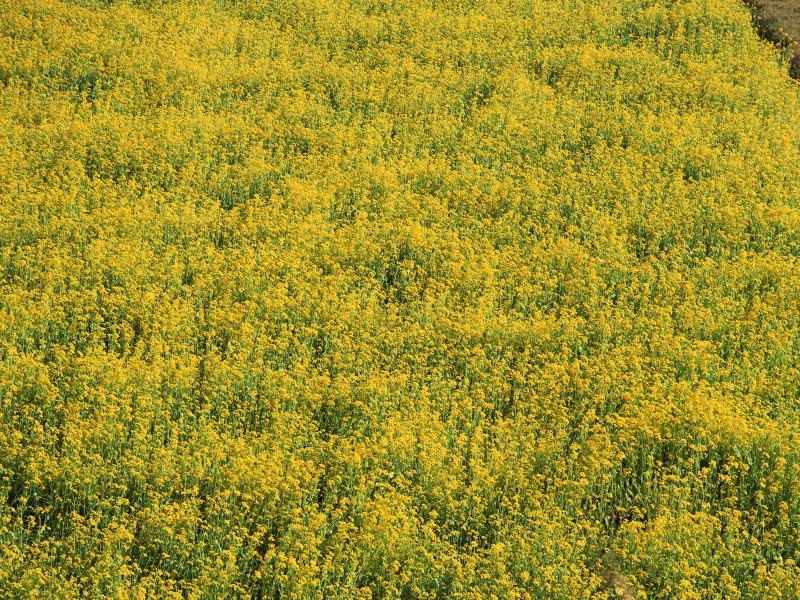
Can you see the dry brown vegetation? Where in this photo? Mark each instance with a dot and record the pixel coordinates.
(779, 22)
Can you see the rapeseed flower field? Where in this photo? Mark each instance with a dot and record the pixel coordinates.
(397, 299)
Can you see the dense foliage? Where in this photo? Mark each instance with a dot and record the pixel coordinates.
(397, 299)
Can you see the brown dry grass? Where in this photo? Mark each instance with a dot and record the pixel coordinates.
(613, 579)
(779, 22)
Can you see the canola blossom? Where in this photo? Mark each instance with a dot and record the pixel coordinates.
(397, 299)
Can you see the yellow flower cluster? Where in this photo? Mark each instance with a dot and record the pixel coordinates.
(397, 299)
